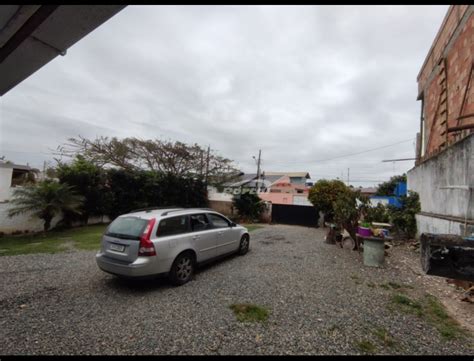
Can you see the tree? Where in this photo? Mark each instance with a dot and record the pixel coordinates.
(347, 212)
(388, 188)
(403, 218)
(89, 181)
(324, 193)
(163, 156)
(248, 205)
(45, 200)
(128, 190)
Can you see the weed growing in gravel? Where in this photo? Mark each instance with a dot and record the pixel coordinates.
(406, 304)
(432, 311)
(384, 336)
(436, 314)
(395, 286)
(246, 312)
(366, 346)
(371, 285)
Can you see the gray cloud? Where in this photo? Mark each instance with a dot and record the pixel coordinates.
(301, 83)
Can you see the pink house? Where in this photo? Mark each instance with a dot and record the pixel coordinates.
(290, 188)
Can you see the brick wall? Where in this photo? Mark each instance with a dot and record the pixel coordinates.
(443, 91)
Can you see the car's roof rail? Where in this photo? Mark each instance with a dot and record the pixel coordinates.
(152, 209)
(187, 209)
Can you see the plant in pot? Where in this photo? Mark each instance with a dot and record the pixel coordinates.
(364, 229)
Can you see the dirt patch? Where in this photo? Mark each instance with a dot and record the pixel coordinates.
(275, 238)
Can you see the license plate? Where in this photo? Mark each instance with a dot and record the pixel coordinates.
(117, 247)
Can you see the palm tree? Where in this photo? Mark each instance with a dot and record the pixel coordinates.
(45, 200)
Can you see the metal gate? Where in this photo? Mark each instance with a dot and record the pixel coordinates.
(297, 215)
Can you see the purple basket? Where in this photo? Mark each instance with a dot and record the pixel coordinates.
(365, 232)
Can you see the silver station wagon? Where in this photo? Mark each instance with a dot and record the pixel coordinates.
(170, 241)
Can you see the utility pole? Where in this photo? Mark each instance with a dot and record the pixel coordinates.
(207, 162)
(258, 169)
(201, 164)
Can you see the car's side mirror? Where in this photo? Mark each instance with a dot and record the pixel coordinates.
(232, 224)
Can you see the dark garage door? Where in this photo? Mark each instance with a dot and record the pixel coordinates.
(297, 215)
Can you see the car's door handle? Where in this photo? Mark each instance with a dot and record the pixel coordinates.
(195, 237)
(220, 232)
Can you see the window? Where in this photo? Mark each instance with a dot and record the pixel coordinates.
(199, 222)
(22, 177)
(218, 221)
(127, 227)
(172, 226)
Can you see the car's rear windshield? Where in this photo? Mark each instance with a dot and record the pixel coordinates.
(127, 227)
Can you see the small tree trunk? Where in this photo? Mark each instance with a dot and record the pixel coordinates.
(47, 223)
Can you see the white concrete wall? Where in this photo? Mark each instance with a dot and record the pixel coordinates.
(5, 183)
(454, 166)
(435, 225)
(301, 200)
(214, 195)
(375, 201)
(26, 222)
(23, 222)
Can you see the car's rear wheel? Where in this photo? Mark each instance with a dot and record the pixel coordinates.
(244, 244)
(182, 269)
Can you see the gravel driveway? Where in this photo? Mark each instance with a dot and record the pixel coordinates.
(322, 300)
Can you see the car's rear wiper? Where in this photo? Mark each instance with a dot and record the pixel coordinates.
(122, 236)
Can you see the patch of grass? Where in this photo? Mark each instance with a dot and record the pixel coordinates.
(252, 227)
(366, 346)
(384, 336)
(371, 285)
(436, 314)
(432, 310)
(407, 305)
(395, 286)
(246, 312)
(87, 238)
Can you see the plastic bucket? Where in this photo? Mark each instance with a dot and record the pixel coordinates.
(364, 232)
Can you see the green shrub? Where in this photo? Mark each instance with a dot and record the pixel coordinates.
(403, 218)
(378, 213)
(388, 188)
(324, 193)
(249, 206)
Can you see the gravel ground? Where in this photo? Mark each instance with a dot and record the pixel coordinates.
(317, 294)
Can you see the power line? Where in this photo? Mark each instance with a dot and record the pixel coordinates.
(347, 155)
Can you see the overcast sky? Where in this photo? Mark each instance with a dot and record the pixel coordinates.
(303, 84)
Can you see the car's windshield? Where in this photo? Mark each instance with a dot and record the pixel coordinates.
(127, 227)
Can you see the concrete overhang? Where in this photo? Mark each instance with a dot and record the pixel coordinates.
(33, 35)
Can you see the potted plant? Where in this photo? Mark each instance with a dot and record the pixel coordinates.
(364, 229)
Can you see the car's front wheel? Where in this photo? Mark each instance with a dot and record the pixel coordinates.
(244, 244)
(182, 269)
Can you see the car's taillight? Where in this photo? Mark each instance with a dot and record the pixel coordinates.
(146, 245)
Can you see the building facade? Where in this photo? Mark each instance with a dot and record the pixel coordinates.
(443, 175)
(445, 86)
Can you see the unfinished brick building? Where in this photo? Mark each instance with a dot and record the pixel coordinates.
(445, 84)
(443, 173)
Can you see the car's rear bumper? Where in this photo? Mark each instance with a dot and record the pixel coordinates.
(141, 267)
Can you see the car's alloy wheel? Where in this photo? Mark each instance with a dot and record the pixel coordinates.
(244, 245)
(183, 269)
